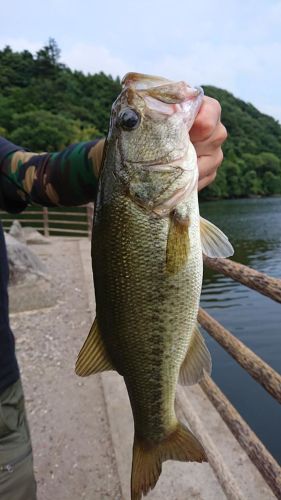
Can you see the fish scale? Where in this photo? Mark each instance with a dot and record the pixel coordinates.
(130, 274)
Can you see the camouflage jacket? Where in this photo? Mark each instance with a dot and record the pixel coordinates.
(65, 178)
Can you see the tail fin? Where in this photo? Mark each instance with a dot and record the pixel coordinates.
(147, 458)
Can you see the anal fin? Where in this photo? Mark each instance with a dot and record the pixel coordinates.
(93, 357)
(197, 360)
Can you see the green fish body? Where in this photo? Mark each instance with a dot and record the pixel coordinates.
(147, 267)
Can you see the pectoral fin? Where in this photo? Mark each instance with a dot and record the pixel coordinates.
(93, 357)
(197, 360)
(177, 244)
(214, 242)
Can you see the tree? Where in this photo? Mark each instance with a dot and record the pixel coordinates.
(44, 131)
(252, 185)
(45, 105)
(46, 63)
(218, 189)
(271, 183)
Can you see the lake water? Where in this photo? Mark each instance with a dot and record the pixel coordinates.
(254, 228)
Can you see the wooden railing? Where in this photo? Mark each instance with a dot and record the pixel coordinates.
(54, 221)
(254, 365)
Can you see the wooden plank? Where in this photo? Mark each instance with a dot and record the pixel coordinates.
(70, 214)
(46, 222)
(255, 366)
(77, 213)
(63, 221)
(25, 221)
(59, 230)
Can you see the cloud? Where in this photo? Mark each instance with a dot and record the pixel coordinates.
(272, 110)
(248, 71)
(20, 44)
(91, 58)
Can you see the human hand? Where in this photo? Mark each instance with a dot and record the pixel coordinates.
(207, 135)
(96, 154)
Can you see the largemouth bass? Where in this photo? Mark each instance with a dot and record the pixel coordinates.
(147, 248)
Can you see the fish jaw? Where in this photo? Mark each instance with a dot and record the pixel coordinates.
(154, 158)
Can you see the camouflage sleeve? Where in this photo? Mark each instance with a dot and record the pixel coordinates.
(66, 178)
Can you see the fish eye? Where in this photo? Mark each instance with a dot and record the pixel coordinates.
(128, 119)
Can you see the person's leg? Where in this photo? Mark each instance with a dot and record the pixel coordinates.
(17, 480)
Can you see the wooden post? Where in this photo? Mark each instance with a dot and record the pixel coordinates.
(90, 217)
(46, 222)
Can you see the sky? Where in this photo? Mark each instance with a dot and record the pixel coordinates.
(232, 44)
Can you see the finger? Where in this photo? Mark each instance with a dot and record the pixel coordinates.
(206, 120)
(206, 181)
(208, 165)
(214, 142)
(96, 154)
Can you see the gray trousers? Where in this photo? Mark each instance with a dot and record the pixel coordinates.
(17, 480)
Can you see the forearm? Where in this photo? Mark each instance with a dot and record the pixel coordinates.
(65, 178)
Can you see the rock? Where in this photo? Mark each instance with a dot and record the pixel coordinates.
(33, 237)
(27, 234)
(16, 231)
(23, 263)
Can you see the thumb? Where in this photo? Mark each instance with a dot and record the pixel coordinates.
(96, 154)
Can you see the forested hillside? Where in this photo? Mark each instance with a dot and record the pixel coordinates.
(252, 152)
(45, 106)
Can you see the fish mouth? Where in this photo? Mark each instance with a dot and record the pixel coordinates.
(143, 81)
(157, 87)
(163, 97)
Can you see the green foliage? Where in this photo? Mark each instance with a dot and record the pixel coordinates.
(45, 106)
(53, 131)
(252, 152)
